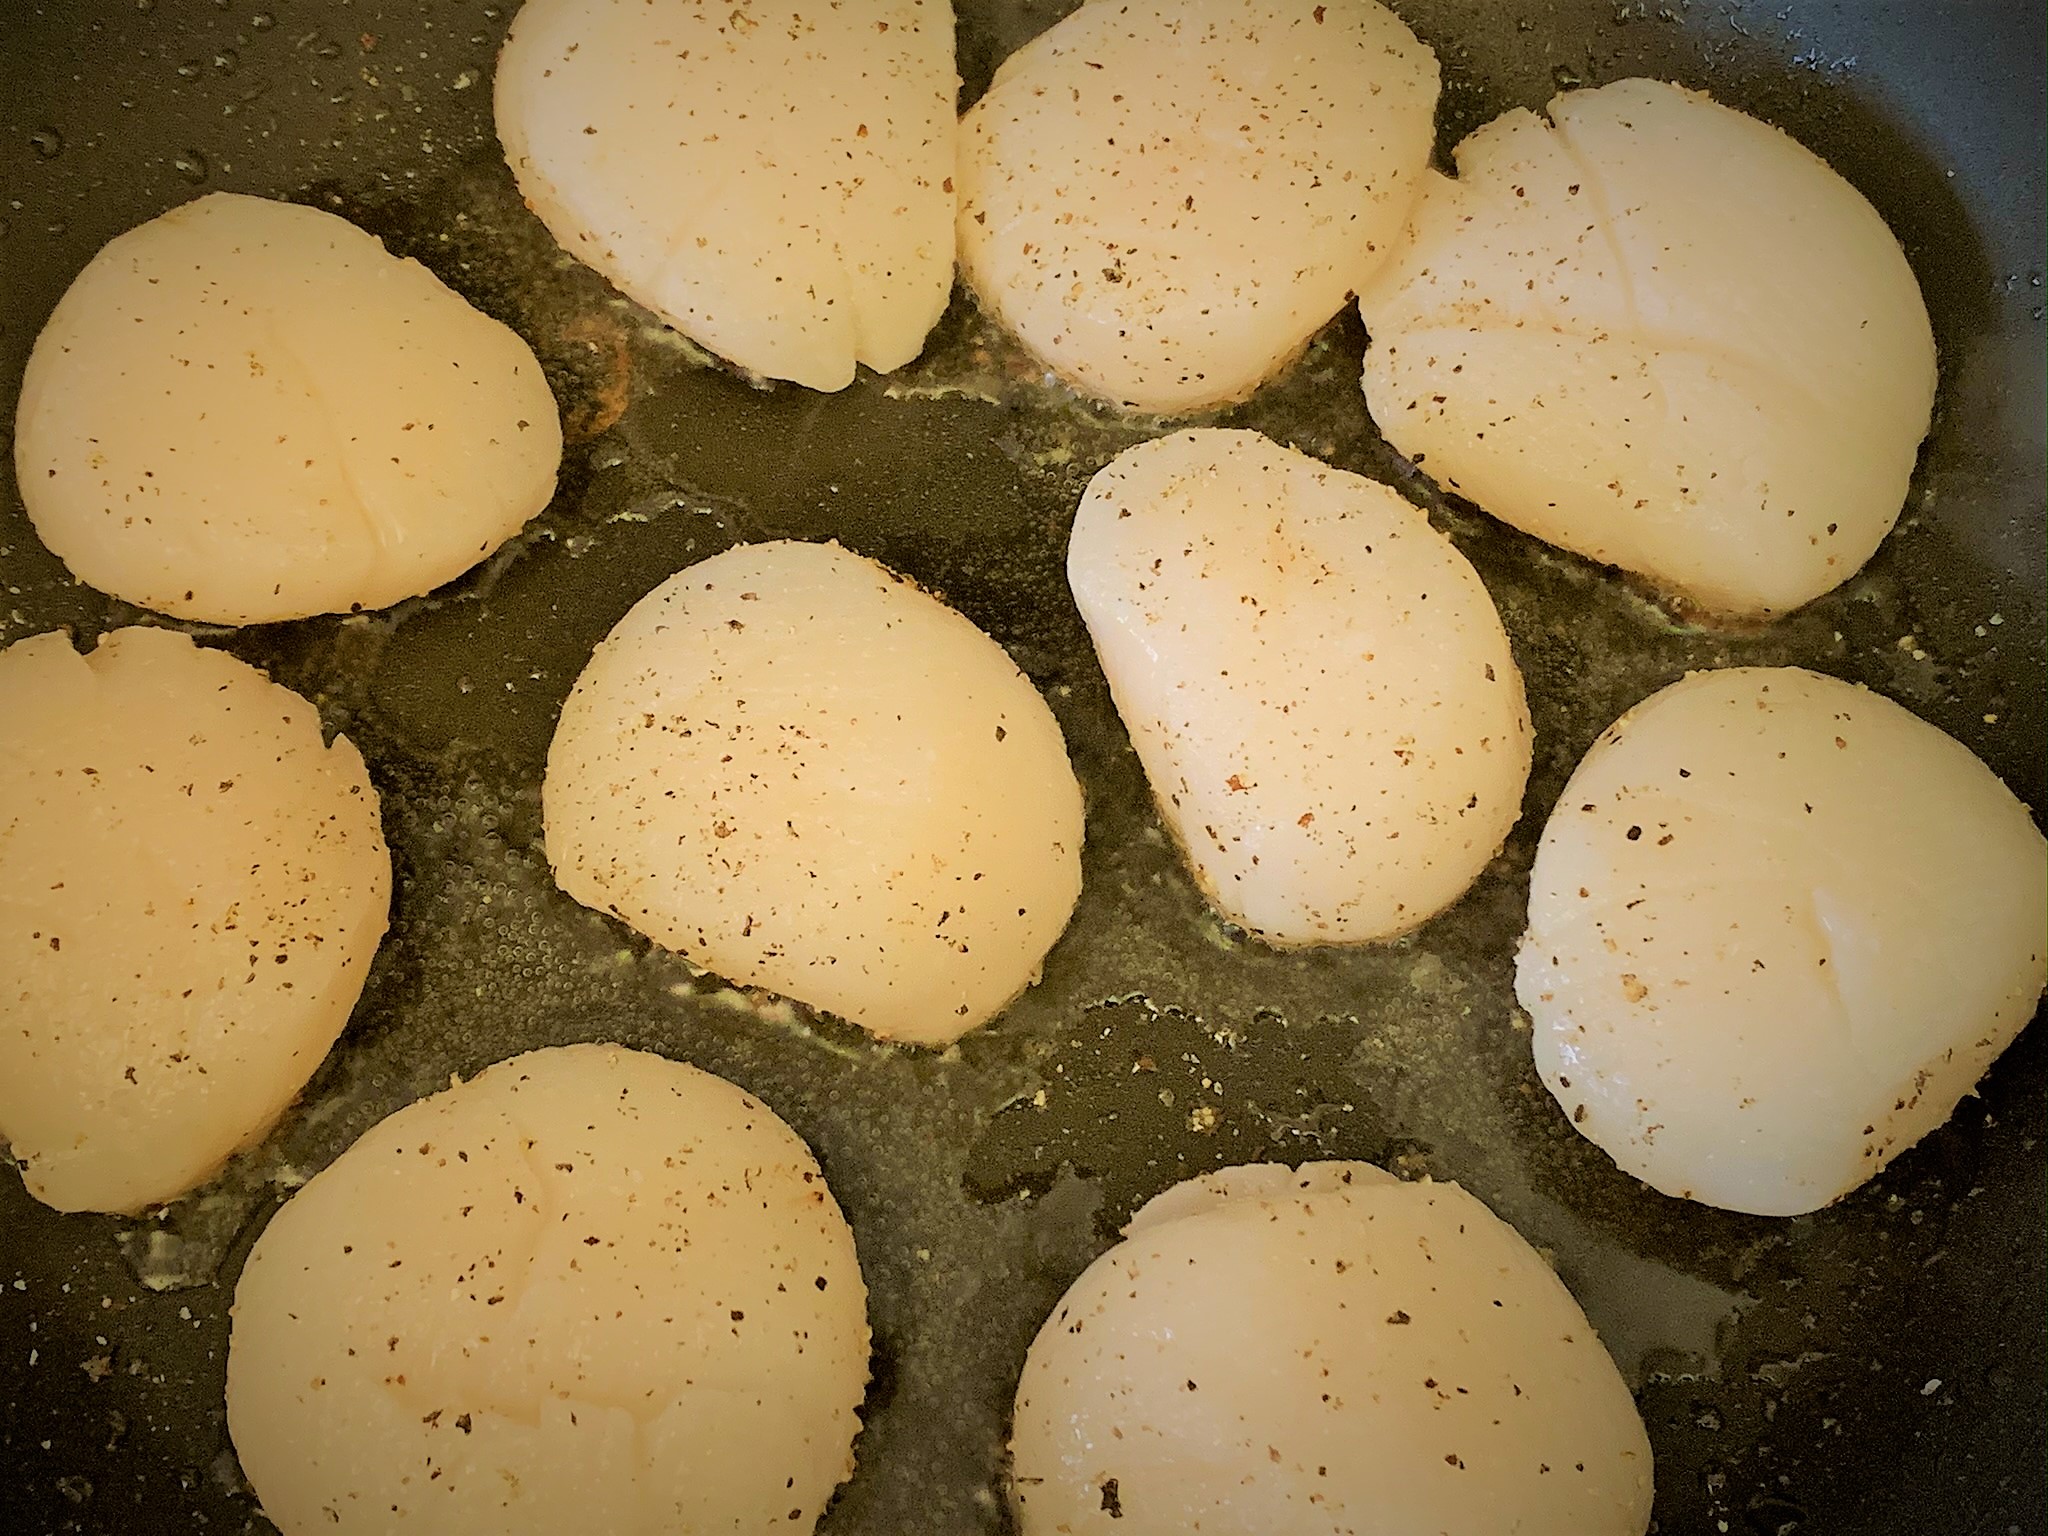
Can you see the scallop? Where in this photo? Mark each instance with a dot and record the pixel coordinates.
(590, 1290)
(1661, 334)
(802, 773)
(246, 411)
(1316, 681)
(1778, 927)
(776, 186)
(1164, 200)
(192, 884)
(1315, 1352)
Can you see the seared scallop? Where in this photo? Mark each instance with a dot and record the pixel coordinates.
(1778, 926)
(776, 184)
(1320, 1351)
(1316, 681)
(192, 883)
(798, 770)
(245, 411)
(1664, 335)
(1165, 199)
(591, 1290)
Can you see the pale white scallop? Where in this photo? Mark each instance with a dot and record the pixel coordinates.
(1663, 334)
(1316, 681)
(192, 884)
(774, 183)
(1778, 926)
(590, 1290)
(1278, 1353)
(1165, 199)
(245, 411)
(805, 774)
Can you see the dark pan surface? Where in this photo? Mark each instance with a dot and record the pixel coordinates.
(1876, 1368)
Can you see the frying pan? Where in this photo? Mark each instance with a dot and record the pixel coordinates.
(1874, 1368)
